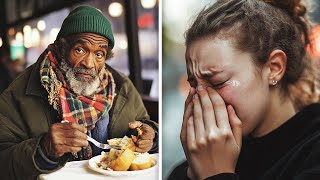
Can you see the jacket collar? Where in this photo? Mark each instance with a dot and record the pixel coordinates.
(35, 88)
(118, 79)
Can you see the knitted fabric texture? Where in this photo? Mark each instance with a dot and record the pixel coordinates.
(86, 19)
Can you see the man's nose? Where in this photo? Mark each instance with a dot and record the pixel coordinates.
(88, 61)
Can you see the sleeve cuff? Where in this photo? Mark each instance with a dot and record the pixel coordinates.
(155, 148)
(43, 162)
(155, 145)
(224, 176)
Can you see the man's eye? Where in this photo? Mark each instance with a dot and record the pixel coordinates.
(99, 55)
(79, 50)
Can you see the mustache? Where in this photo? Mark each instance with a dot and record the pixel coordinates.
(84, 70)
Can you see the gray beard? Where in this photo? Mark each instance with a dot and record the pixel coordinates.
(79, 85)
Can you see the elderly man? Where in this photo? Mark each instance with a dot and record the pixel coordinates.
(71, 83)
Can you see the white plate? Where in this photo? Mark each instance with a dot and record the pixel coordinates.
(95, 160)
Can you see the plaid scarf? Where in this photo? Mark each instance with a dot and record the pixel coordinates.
(76, 108)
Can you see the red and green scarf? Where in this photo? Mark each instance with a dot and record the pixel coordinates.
(76, 108)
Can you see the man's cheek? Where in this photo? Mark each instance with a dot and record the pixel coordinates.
(73, 62)
(100, 66)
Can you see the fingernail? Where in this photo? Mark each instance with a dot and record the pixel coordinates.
(195, 96)
(200, 88)
(191, 90)
(231, 108)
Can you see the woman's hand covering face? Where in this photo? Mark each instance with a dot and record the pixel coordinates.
(211, 134)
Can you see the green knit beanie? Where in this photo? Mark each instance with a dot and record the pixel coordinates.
(86, 19)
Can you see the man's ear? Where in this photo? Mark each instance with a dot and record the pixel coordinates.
(277, 64)
(58, 44)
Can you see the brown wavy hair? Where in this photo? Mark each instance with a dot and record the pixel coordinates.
(262, 26)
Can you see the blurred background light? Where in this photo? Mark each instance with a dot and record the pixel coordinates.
(123, 44)
(27, 29)
(54, 32)
(115, 9)
(11, 31)
(41, 25)
(148, 4)
(181, 17)
(35, 36)
(19, 37)
(146, 20)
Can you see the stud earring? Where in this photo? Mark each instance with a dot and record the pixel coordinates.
(275, 83)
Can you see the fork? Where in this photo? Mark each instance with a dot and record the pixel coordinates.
(96, 143)
(101, 145)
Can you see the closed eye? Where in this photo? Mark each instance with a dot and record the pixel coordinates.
(192, 82)
(219, 85)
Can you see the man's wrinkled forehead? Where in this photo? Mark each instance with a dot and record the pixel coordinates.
(90, 38)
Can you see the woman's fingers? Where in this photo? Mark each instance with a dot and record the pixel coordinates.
(199, 129)
(207, 110)
(188, 110)
(183, 134)
(236, 125)
(220, 110)
(192, 92)
(212, 151)
(191, 135)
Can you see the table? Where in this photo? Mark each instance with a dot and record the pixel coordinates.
(79, 170)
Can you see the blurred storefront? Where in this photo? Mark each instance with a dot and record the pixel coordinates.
(28, 27)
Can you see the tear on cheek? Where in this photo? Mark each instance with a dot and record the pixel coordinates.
(230, 91)
(234, 83)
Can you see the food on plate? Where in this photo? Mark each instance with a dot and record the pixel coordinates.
(117, 160)
(125, 143)
(125, 158)
(142, 161)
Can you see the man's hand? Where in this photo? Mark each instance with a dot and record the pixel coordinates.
(145, 138)
(63, 138)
